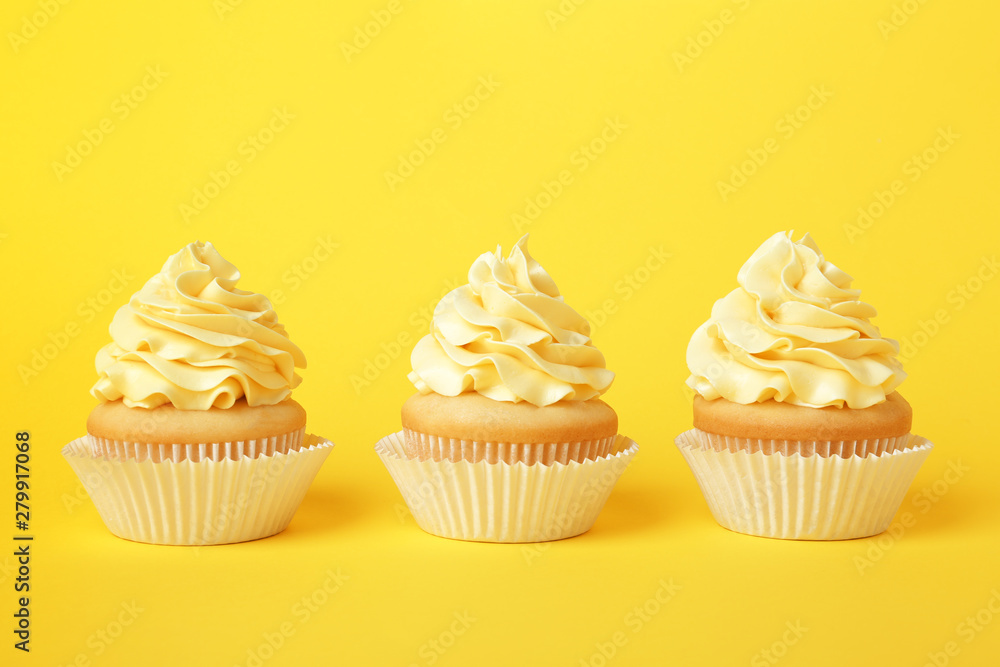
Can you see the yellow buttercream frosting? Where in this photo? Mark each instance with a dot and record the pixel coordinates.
(189, 337)
(509, 335)
(793, 331)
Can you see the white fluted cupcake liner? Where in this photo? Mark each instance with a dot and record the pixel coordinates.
(843, 448)
(215, 451)
(200, 502)
(501, 502)
(437, 448)
(791, 496)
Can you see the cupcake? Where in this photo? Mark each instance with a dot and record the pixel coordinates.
(507, 439)
(196, 439)
(799, 430)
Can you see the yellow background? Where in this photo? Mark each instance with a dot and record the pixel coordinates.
(560, 81)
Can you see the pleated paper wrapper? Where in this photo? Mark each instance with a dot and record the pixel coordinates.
(235, 450)
(790, 496)
(423, 446)
(501, 502)
(206, 501)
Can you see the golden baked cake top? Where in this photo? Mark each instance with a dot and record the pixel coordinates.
(191, 338)
(794, 331)
(509, 335)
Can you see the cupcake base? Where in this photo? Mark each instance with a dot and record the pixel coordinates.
(215, 451)
(791, 496)
(210, 501)
(425, 446)
(501, 502)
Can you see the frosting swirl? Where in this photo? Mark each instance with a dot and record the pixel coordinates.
(509, 335)
(794, 331)
(189, 337)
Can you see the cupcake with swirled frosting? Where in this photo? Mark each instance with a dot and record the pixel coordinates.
(508, 372)
(795, 403)
(194, 392)
(194, 359)
(507, 412)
